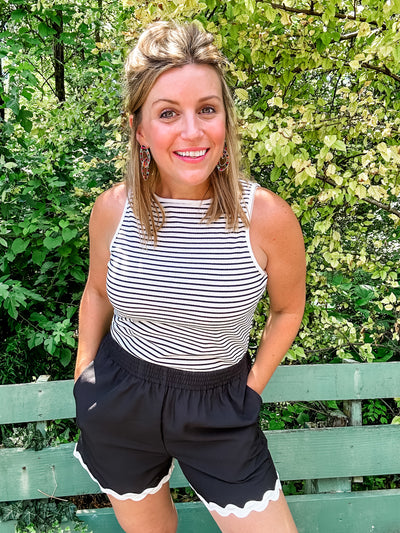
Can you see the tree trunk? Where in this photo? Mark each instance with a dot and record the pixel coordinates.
(59, 61)
(97, 35)
(2, 110)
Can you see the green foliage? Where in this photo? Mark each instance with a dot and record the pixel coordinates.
(51, 170)
(184, 494)
(380, 411)
(46, 197)
(299, 415)
(286, 416)
(36, 515)
(23, 437)
(29, 436)
(377, 483)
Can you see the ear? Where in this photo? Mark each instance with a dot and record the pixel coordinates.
(140, 136)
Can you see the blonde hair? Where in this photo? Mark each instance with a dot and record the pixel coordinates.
(162, 46)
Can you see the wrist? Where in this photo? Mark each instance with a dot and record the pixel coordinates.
(254, 383)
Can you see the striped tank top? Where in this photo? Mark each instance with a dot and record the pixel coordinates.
(189, 301)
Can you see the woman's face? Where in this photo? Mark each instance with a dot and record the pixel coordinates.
(183, 124)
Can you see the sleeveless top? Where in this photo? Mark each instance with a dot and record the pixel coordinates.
(189, 301)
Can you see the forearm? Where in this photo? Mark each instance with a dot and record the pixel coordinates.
(95, 315)
(278, 335)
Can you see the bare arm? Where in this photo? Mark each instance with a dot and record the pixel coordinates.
(277, 236)
(95, 312)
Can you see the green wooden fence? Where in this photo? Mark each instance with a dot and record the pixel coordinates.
(328, 458)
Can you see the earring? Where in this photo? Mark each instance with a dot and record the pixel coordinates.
(145, 158)
(223, 163)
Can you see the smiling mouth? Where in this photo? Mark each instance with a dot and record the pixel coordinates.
(193, 153)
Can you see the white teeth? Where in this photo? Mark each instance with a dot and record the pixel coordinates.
(198, 153)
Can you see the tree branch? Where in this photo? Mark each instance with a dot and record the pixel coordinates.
(313, 13)
(335, 92)
(45, 80)
(372, 201)
(383, 70)
(348, 36)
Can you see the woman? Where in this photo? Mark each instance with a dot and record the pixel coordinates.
(179, 257)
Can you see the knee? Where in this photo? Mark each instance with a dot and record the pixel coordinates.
(165, 524)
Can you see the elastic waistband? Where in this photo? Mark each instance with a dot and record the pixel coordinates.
(172, 376)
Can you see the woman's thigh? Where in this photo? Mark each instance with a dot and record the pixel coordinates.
(275, 518)
(156, 513)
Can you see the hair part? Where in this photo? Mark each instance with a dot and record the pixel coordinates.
(161, 47)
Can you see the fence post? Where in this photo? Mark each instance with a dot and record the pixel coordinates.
(353, 411)
(42, 426)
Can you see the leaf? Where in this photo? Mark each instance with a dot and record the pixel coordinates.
(52, 242)
(65, 356)
(10, 306)
(68, 234)
(329, 140)
(18, 246)
(326, 38)
(23, 117)
(250, 5)
(275, 174)
(323, 226)
(18, 14)
(275, 101)
(385, 152)
(360, 191)
(339, 145)
(269, 13)
(50, 345)
(35, 340)
(242, 94)
(9, 512)
(45, 31)
(377, 192)
(364, 29)
(4, 291)
(38, 256)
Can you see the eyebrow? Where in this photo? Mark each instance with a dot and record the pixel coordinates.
(174, 102)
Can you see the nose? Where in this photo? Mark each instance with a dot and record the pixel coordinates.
(191, 127)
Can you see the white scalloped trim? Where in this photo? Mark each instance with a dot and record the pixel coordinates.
(129, 495)
(252, 505)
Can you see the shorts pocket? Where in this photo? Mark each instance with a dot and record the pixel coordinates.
(83, 374)
(255, 394)
(253, 402)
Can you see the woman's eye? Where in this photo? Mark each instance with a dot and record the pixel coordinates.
(208, 109)
(168, 113)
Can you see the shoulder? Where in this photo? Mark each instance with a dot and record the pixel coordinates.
(273, 221)
(271, 208)
(111, 199)
(107, 211)
(110, 204)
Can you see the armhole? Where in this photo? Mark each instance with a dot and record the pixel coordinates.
(119, 223)
(250, 205)
(250, 202)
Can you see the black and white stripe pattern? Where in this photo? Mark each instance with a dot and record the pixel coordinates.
(189, 302)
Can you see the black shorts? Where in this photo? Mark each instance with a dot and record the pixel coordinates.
(135, 417)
